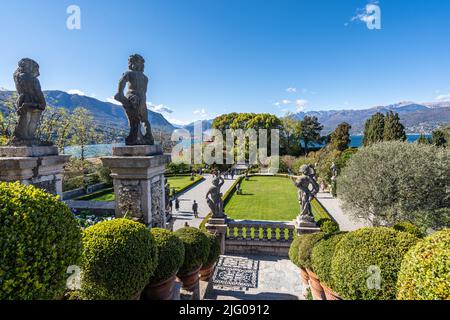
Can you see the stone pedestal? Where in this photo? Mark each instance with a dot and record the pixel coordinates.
(219, 228)
(41, 167)
(138, 175)
(303, 226)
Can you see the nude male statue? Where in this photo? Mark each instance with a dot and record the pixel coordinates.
(214, 197)
(308, 189)
(135, 101)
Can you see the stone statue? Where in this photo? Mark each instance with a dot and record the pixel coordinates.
(214, 197)
(334, 170)
(135, 102)
(30, 104)
(308, 189)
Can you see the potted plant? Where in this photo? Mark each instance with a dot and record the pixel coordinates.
(321, 258)
(377, 251)
(119, 256)
(196, 245)
(293, 256)
(304, 259)
(170, 258)
(207, 270)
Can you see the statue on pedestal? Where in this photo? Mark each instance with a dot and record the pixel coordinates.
(30, 104)
(307, 190)
(214, 197)
(135, 102)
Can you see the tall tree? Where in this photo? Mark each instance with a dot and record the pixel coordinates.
(340, 138)
(423, 140)
(374, 129)
(83, 130)
(291, 135)
(439, 138)
(393, 129)
(311, 129)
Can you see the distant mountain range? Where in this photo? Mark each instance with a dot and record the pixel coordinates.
(417, 117)
(105, 113)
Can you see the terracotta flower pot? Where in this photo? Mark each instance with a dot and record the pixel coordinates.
(207, 272)
(190, 280)
(304, 276)
(162, 290)
(316, 287)
(330, 294)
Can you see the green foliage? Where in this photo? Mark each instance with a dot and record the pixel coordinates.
(406, 226)
(214, 249)
(374, 130)
(439, 138)
(119, 258)
(369, 248)
(196, 246)
(40, 239)
(310, 131)
(322, 255)
(425, 270)
(294, 250)
(291, 135)
(394, 181)
(393, 129)
(177, 168)
(83, 129)
(306, 247)
(329, 226)
(170, 254)
(423, 140)
(340, 138)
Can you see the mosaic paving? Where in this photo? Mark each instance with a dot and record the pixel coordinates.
(237, 272)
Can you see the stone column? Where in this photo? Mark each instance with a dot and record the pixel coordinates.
(41, 167)
(219, 228)
(138, 175)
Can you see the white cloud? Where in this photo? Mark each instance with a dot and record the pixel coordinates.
(160, 108)
(113, 101)
(443, 97)
(362, 14)
(301, 105)
(291, 90)
(76, 91)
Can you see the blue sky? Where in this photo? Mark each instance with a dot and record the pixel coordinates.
(207, 57)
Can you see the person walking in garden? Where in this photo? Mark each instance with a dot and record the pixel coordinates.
(177, 204)
(195, 209)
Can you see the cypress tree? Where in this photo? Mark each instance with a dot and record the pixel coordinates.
(374, 129)
(340, 138)
(393, 129)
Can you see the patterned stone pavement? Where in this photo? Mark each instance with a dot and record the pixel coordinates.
(256, 278)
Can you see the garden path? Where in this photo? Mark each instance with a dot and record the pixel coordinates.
(187, 198)
(334, 208)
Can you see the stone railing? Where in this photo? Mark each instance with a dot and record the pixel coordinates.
(259, 237)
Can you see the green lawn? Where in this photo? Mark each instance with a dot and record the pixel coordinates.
(177, 182)
(265, 198)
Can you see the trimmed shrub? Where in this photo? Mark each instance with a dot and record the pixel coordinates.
(305, 248)
(425, 270)
(329, 226)
(39, 240)
(214, 249)
(406, 226)
(293, 250)
(170, 254)
(196, 245)
(366, 255)
(322, 256)
(119, 258)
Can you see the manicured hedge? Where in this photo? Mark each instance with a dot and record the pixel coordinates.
(214, 249)
(322, 256)
(365, 250)
(406, 226)
(170, 254)
(425, 270)
(328, 226)
(119, 258)
(305, 248)
(39, 240)
(196, 245)
(294, 250)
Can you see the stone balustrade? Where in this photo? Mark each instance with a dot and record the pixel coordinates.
(259, 237)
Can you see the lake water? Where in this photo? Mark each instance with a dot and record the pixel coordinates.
(104, 150)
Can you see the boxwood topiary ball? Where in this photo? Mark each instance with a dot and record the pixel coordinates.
(214, 249)
(39, 240)
(294, 250)
(322, 256)
(368, 258)
(196, 245)
(305, 248)
(119, 258)
(425, 270)
(406, 226)
(170, 254)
